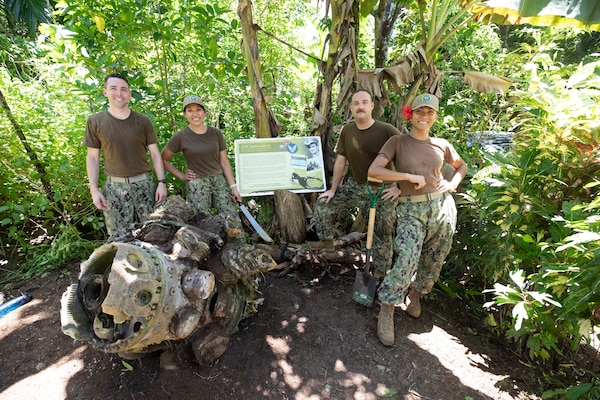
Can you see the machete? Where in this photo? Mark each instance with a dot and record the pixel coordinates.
(261, 232)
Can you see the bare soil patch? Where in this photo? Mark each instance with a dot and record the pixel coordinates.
(309, 340)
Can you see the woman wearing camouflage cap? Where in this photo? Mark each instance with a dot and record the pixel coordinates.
(210, 178)
(426, 211)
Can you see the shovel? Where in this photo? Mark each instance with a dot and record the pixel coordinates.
(365, 283)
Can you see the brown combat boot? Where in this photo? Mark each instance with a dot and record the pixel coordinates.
(385, 324)
(414, 304)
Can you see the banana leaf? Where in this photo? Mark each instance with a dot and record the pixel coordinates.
(560, 13)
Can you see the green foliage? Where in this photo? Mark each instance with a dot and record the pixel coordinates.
(582, 391)
(37, 229)
(28, 13)
(577, 14)
(15, 55)
(540, 205)
(185, 48)
(167, 51)
(528, 224)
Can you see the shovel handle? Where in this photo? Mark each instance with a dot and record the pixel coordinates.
(370, 228)
(373, 197)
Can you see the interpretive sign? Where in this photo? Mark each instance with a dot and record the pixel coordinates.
(287, 163)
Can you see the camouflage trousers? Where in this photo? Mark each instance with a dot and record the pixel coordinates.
(334, 219)
(127, 203)
(211, 194)
(423, 240)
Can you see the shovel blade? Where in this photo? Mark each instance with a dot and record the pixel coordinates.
(364, 288)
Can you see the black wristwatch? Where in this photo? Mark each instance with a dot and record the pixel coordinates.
(162, 181)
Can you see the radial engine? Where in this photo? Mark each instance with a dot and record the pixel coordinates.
(186, 278)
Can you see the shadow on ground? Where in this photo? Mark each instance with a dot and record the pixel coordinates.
(309, 340)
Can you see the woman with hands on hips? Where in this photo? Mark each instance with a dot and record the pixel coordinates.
(426, 211)
(210, 182)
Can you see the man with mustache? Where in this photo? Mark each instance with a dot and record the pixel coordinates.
(358, 145)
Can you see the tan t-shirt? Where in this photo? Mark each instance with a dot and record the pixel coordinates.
(201, 151)
(123, 143)
(419, 157)
(361, 147)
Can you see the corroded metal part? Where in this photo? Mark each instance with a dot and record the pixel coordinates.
(184, 322)
(188, 244)
(198, 284)
(211, 346)
(95, 288)
(135, 297)
(174, 209)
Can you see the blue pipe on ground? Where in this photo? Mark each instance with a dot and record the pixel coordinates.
(15, 303)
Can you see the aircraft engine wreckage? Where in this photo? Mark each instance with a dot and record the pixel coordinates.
(180, 276)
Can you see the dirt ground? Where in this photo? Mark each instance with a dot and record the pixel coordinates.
(309, 340)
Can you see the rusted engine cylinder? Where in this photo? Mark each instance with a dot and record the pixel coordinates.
(130, 296)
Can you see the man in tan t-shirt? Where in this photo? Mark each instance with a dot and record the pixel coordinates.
(124, 137)
(357, 146)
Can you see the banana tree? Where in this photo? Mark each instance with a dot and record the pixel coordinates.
(438, 21)
(342, 40)
(444, 19)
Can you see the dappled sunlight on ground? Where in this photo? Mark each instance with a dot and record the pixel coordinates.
(21, 317)
(284, 376)
(308, 341)
(289, 369)
(281, 348)
(470, 368)
(50, 382)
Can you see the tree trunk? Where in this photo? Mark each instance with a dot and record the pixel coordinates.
(385, 16)
(265, 123)
(290, 214)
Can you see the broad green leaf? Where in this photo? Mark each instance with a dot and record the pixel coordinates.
(518, 277)
(579, 238)
(585, 328)
(366, 6)
(519, 313)
(578, 391)
(527, 238)
(575, 14)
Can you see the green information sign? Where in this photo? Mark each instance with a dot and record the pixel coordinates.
(265, 165)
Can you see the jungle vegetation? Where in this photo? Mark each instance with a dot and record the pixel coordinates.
(527, 251)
